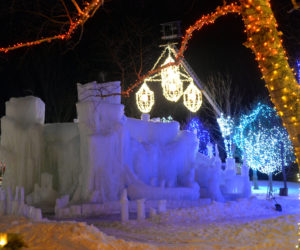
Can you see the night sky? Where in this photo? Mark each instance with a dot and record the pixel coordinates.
(109, 48)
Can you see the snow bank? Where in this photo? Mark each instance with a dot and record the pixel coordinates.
(244, 224)
(64, 235)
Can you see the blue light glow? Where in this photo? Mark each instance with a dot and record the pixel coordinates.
(168, 119)
(202, 134)
(263, 140)
(226, 125)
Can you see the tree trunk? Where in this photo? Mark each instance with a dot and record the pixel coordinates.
(283, 166)
(270, 183)
(283, 191)
(255, 183)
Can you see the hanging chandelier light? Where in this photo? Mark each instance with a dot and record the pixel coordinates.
(192, 97)
(170, 81)
(145, 98)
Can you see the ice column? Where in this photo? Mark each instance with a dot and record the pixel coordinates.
(162, 206)
(101, 141)
(246, 179)
(152, 212)
(2, 202)
(209, 147)
(21, 142)
(124, 207)
(141, 209)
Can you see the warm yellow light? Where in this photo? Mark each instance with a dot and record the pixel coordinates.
(3, 240)
(145, 98)
(170, 81)
(192, 97)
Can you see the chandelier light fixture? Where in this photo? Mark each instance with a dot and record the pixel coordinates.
(170, 81)
(192, 97)
(145, 98)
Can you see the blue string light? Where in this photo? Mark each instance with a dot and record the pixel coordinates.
(264, 141)
(202, 134)
(226, 124)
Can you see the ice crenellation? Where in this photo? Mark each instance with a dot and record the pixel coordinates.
(95, 159)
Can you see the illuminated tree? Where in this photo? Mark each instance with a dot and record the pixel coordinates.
(264, 141)
(226, 124)
(202, 133)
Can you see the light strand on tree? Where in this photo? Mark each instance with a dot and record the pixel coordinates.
(263, 140)
(298, 224)
(263, 149)
(79, 20)
(265, 41)
(226, 125)
(202, 134)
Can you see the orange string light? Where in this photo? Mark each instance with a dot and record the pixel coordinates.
(80, 19)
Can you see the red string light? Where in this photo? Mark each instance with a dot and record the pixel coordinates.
(80, 19)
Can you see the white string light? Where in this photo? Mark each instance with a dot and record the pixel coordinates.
(170, 81)
(192, 97)
(145, 98)
(226, 125)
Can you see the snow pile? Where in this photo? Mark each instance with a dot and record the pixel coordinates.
(275, 233)
(64, 235)
(244, 224)
(217, 211)
(10, 205)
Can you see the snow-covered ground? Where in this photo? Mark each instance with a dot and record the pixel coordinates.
(245, 224)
